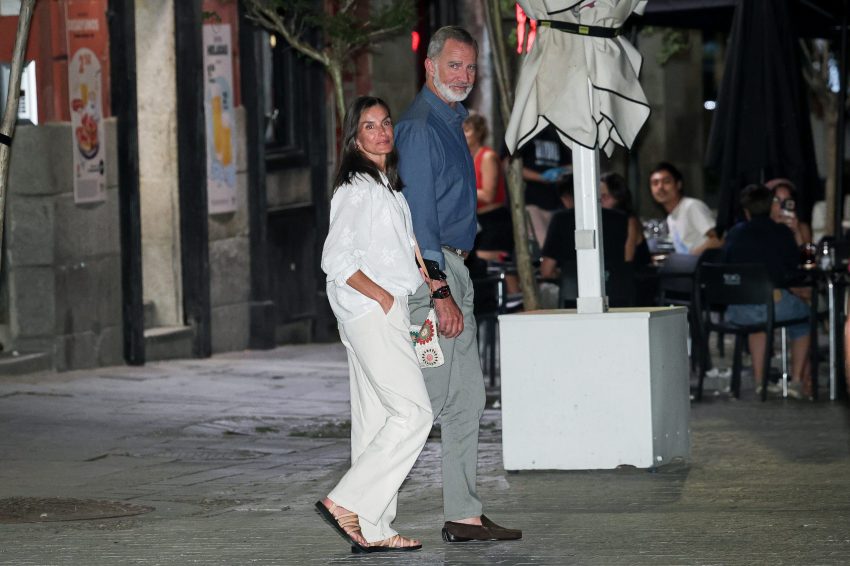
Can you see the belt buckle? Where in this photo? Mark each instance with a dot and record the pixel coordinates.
(457, 251)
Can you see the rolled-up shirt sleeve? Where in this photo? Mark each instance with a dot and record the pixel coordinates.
(414, 144)
(349, 234)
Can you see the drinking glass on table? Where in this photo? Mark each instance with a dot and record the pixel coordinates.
(808, 252)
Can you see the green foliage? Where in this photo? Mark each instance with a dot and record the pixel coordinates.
(673, 42)
(211, 17)
(345, 30)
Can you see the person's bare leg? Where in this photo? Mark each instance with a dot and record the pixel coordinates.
(758, 344)
(800, 361)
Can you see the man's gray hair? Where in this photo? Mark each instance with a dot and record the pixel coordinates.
(438, 40)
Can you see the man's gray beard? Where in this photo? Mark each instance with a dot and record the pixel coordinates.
(448, 93)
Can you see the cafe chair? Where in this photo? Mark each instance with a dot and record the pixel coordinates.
(719, 285)
(490, 300)
(619, 286)
(676, 288)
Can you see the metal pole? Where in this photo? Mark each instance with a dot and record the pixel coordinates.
(833, 338)
(840, 129)
(590, 262)
(784, 338)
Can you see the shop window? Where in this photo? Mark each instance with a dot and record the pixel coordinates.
(284, 82)
(28, 101)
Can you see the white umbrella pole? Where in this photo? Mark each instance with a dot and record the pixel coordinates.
(589, 257)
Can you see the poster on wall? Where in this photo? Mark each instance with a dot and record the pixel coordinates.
(86, 28)
(218, 109)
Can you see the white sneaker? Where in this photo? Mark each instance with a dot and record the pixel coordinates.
(795, 390)
(772, 388)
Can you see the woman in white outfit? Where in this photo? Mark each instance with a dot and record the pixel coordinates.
(369, 261)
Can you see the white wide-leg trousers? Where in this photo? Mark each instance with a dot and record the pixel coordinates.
(390, 416)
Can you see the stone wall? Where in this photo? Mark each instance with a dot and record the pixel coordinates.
(158, 178)
(62, 260)
(230, 260)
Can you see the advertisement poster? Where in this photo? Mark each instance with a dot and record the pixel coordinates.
(86, 28)
(218, 109)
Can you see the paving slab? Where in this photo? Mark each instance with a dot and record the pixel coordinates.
(231, 452)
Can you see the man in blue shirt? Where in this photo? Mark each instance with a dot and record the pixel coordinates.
(439, 176)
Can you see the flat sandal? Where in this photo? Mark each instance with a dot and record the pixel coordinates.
(345, 524)
(393, 544)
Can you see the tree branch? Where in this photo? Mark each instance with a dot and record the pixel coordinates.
(269, 18)
(380, 34)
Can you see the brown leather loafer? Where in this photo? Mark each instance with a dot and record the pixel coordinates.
(504, 532)
(488, 530)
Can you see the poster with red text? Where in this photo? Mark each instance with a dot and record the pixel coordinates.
(86, 28)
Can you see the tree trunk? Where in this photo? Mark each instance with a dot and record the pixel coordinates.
(10, 114)
(335, 71)
(516, 186)
(830, 132)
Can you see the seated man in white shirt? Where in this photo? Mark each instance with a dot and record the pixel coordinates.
(689, 220)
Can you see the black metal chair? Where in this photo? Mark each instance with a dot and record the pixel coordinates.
(723, 284)
(676, 288)
(490, 301)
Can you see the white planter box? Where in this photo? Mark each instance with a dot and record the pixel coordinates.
(594, 391)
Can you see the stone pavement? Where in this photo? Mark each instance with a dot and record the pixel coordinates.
(233, 451)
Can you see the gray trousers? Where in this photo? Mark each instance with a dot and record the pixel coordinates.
(457, 395)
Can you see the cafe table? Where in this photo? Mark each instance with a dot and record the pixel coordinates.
(833, 281)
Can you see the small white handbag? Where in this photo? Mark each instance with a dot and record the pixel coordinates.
(426, 343)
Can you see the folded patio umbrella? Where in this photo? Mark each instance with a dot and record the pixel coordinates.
(761, 128)
(582, 77)
(553, 82)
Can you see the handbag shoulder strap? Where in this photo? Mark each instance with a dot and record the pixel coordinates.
(421, 263)
(419, 259)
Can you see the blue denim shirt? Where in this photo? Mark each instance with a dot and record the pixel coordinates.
(439, 175)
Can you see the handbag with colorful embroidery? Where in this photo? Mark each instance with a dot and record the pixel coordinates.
(425, 341)
(426, 344)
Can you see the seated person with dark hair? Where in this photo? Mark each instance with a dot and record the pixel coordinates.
(559, 249)
(761, 240)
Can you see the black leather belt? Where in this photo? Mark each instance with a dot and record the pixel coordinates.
(578, 29)
(457, 251)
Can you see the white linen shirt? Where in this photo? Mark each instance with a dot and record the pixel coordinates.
(689, 223)
(371, 231)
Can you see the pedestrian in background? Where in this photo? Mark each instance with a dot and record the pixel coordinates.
(495, 240)
(370, 263)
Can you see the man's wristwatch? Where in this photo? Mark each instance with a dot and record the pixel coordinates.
(442, 293)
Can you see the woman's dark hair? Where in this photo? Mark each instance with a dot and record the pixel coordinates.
(352, 162)
(619, 192)
(776, 184)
